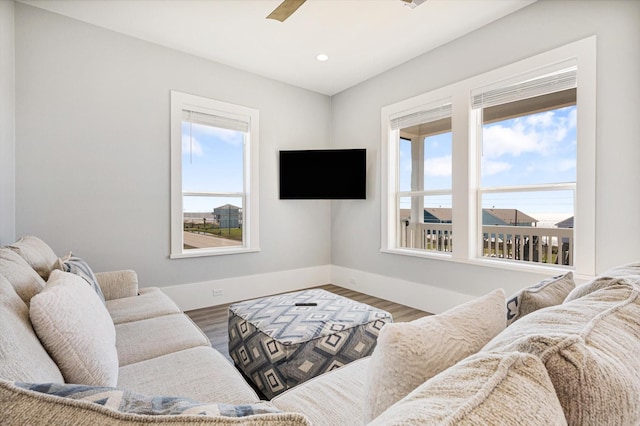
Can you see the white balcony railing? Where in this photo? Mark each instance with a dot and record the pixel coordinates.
(521, 243)
(426, 236)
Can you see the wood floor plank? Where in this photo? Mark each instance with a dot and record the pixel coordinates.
(214, 320)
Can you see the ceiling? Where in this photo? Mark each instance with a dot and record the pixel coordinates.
(361, 37)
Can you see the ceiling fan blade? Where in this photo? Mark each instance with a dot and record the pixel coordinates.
(286, 8)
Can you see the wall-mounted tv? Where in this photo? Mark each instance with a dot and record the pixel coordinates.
(323, 174)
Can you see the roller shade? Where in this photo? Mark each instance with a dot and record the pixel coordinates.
(228, 123)
(421, 117)
(544, 85)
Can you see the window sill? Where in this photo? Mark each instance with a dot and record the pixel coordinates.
(212, 252)
(491, 263)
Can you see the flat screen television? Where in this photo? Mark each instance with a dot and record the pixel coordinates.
(323, 174)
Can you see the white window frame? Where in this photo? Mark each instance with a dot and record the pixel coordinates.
(466, 172)
(186, 102)
(423, 114)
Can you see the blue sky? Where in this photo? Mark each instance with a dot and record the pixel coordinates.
(534, 149)
(211, 162)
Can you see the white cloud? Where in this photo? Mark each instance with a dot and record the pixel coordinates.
(538, 133)
(191, 146)
(499, 140)
(490, 167)
(231, 137)
(439, 166)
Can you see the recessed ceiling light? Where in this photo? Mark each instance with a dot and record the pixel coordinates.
(322, 57)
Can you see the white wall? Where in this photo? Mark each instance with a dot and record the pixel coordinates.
(7, 123)
(538, 28)
(92, 160)
(92, 121)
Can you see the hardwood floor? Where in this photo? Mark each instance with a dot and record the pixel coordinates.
(213, 320)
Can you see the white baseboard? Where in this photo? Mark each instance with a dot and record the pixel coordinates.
(201, 294)
(416, 295)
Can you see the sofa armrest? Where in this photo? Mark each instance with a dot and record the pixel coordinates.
(118, 284)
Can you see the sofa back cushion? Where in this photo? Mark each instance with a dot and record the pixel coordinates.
(37, 254)
(484, 389)
(76, 329)
(23, 277)
(629, 271)
(590, 347)
(22, 356)
(407, 354)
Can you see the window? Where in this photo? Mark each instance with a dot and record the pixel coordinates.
(527, 144)
(213, 177)
(423, 204)
(505, 175)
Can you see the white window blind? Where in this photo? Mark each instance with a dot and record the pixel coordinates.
(420, 117)
(241, 125)
(550, 83)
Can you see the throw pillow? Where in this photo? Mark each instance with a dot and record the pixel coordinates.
(590, 349)
(37, 254)
(22, 356)
(80, 405)
(407, 354)
(549, 292)
(76, 329)
(484, 389)
(126, 401)
(80, 267)
(22, 277)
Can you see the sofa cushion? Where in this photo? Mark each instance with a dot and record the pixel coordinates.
(80, 267)
(141, 340)
(70, 404)
(118, 284)
(150, 303)
(546, 293)
(336, 397)
(22, 356)
(200, 373)
(484, 389)
(407, 354)
(17, 271)
(37, 254)
(590, 348)
(76, 329)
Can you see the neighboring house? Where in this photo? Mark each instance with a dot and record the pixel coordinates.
(228, 216)
(437, 215)
(567, 223)
(508, 217)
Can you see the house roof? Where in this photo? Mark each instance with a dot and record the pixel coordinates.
(445, 214)
(227, 207)
(441, 213)
(511, 216)
(567, 223)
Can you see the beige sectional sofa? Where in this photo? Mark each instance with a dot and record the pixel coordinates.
(160, 351)
(554, 353)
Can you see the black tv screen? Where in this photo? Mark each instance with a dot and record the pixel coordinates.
(323, 174)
